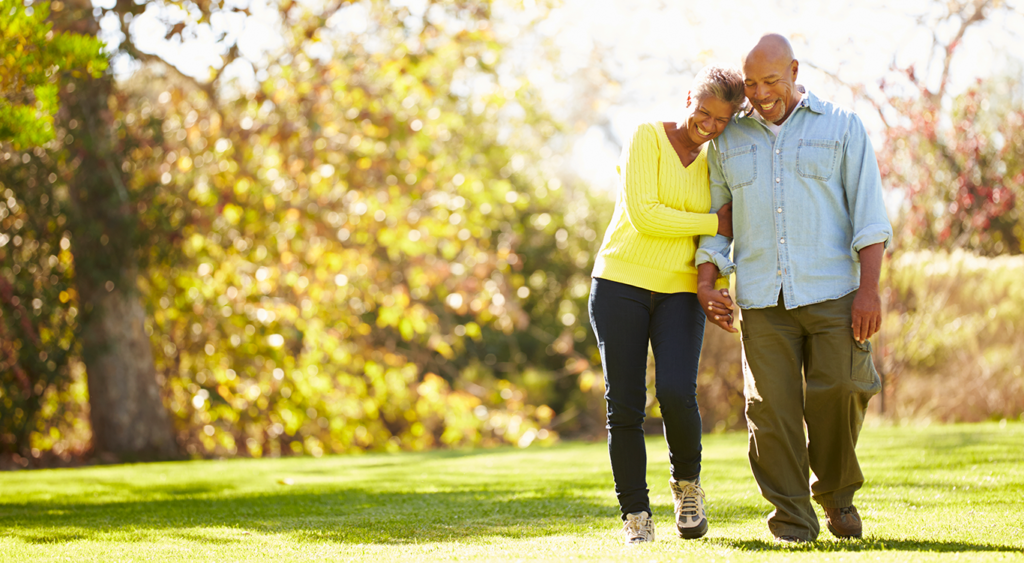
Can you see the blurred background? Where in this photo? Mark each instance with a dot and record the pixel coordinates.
(258, 228)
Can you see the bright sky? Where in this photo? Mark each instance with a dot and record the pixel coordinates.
(651, 47)
(653, 44)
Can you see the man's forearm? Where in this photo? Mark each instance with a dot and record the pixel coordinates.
(707, 274)
(870, 266)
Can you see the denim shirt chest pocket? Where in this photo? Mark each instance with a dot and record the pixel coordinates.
(816, 158)
(739, 166)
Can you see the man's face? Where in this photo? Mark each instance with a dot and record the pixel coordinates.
(770, 85)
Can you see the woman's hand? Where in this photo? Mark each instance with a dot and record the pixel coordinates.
(725, 220)
(717, 306)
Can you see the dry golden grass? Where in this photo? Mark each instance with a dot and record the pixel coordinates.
(952, 342)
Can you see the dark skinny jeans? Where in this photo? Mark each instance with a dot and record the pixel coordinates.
(625, 318)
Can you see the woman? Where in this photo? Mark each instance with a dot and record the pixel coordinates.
(644, 290)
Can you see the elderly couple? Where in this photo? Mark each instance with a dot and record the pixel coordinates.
(796, 188)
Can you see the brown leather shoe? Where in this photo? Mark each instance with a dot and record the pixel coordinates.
(844, 522)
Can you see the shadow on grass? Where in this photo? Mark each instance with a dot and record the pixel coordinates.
(356, 516)
(344, 516)
(52, 537)
(867, 544)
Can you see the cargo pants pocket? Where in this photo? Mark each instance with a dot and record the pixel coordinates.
(862, 368)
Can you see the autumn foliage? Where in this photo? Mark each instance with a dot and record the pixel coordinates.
(961, 171)
(362, 250)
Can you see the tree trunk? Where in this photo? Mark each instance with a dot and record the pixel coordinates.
(129, 419)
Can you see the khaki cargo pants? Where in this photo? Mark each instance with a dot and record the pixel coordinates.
(803, 366)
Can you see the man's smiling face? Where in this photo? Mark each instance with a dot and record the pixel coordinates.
(770, 84)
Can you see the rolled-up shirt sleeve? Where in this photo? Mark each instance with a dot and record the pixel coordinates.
(863, 185)
(715, 248)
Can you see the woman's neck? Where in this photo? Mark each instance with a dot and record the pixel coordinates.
(680, 136)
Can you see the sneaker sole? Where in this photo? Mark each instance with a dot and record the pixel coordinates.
(693, 533)
(842, 536)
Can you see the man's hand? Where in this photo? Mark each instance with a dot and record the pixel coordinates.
(867, 305)
(717, 306)
(725, 220)
(867, 313)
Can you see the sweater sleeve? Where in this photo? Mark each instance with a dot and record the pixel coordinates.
(644, 211)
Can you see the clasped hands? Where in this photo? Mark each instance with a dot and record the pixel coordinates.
(717, 306)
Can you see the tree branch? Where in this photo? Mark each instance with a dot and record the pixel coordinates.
(857, 90)
(949, 48)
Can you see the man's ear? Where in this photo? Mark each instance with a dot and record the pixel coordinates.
(795, 65)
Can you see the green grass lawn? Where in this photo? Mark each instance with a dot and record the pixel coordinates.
(933, 493)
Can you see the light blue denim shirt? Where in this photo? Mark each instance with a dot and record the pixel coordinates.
(804, 204)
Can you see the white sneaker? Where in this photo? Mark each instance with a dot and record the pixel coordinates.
(691, 522)
(638, 528)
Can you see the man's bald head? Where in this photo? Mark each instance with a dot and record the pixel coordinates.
(773, 47)
(769, 78)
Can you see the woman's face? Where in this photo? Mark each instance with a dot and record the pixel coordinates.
(708, 119)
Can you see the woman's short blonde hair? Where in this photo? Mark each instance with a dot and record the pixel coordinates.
(724, 83)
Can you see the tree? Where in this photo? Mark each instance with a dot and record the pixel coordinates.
(127, 414)
(34, 58)
(955, 159)
(355, 250)
(36, 321)
(964, 183)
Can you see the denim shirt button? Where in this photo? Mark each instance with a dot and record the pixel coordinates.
(777, 180)
(779, 210)
(782, 241)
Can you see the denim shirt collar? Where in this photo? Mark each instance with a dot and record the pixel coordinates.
(812, 103)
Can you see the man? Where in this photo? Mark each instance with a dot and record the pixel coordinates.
(810, 228)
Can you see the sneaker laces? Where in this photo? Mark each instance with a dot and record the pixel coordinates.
(632, 526)
(636, 526)
(686, 498)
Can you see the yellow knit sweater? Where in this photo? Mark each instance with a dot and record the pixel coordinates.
(662, 209)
